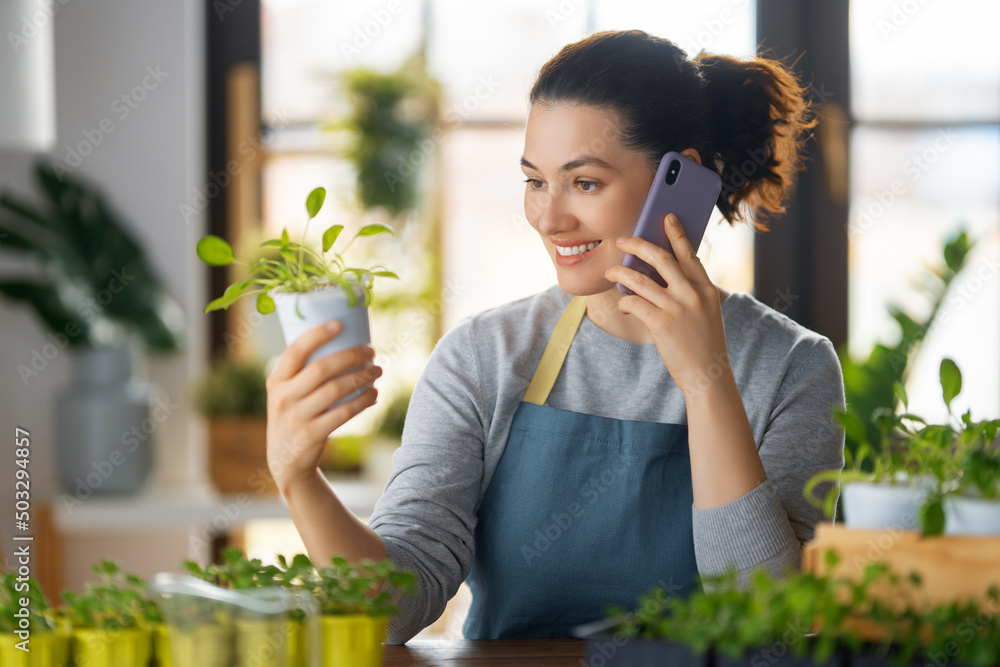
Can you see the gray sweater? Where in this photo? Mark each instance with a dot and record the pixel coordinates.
(463, 403)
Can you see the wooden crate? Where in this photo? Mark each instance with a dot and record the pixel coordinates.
(952, 568)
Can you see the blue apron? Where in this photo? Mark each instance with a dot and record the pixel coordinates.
(583, 511)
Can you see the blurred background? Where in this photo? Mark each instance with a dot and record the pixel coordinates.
(128, 130)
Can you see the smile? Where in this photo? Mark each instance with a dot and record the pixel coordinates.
(576, 250)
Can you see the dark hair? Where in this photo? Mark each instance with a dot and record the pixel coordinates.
(745, 117)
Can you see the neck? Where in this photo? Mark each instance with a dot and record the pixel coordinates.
(602, 309)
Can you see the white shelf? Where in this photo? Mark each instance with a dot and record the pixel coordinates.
(158, 509)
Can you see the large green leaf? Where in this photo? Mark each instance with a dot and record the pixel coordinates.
(951, 380)
(314, 202)
(50, 307)
(215, 251)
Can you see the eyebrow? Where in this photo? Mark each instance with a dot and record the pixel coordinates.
(585, 161)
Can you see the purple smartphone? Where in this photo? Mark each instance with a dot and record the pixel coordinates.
(682, 187)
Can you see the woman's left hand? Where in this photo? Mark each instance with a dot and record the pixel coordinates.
(685, 317)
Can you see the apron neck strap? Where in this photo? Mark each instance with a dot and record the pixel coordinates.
(555, 352)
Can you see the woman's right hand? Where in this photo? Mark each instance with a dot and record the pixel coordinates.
(298, 395)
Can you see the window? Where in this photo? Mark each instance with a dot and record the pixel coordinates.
(925, 158)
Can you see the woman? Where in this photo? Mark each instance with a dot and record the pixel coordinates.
(661, 436)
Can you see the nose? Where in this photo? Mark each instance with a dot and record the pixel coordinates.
(552, 214)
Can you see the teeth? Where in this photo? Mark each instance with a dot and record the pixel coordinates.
(576, 250)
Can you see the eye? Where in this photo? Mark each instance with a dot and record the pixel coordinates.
(534, 183)
(587, 186)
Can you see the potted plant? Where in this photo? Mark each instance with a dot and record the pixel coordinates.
(233, 396)
(29, 634)
(916, 466)
(792, 618)
(355, 606)
(305, 287)
(968, 496)
(111, 620)
(260, 639)
(97, 295)
(882, 485)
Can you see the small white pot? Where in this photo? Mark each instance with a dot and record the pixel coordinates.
(971, 516)
(883, 506)
(318, 307)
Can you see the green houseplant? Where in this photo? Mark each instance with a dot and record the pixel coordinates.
(259, 640)
(29, 635)
(306, 287)
(944, 458)
(98, 296)
(233, 397)
(355, 605)
(112, 619)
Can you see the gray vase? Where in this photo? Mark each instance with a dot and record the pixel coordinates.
(104, 433)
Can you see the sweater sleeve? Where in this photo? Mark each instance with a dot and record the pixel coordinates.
(426, 514)
(767, 526)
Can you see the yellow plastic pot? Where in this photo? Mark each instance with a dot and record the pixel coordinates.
(203, 645)
(353, 640)
(47, 649)
(270, 644)
(111, 648)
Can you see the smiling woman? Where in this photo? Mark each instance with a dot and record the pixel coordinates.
(567, 450)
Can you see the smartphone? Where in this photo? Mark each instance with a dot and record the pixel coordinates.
(686, 189)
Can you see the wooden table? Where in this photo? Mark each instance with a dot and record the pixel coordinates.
(484, 652)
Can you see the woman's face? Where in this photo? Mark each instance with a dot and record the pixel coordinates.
(584, 188)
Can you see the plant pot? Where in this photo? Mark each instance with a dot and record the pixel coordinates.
(111, 648)
(320, 306)
(971, 516)
(104, 434)
(353, 640)
(48, 649)
(882, 506)
(203, 645)
(270, 643)
(238, 456)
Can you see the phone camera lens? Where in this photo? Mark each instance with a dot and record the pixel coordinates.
(672, 170)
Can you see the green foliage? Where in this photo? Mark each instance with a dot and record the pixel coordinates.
(116, 600)
(299, 269)
(233, 387)
(392, 117)
(812, 615)
(871, 384)
(342, 587)
(97, 286)
(959, 455)
(395, 415)
(12, 590)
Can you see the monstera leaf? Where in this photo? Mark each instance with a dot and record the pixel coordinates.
(95, 284)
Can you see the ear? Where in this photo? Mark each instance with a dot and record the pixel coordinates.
(692, 154)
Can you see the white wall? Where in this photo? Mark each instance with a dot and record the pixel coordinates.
(147, 165)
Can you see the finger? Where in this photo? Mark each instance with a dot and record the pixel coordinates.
(337, 388)
(295, 355)
(330, 421)
(684, 254)
(323, 369)
(655, 256)
(646, 312)
(639, 283)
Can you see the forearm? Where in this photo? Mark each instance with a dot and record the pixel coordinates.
(326, 526)
(725, 464)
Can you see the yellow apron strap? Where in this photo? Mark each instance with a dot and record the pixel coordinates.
(555, 352)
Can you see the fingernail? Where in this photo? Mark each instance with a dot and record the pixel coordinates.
(623, 239)
(672, 219)
(332, 326)
(369, 351)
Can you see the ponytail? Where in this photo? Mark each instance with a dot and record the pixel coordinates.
(745, 117)
(759, 112)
